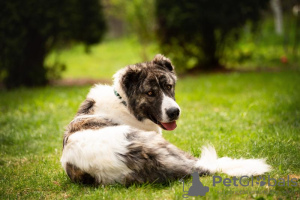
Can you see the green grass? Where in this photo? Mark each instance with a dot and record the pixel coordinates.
(242, 115)
(103, 60)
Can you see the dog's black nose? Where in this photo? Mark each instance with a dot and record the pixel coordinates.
(173, 113)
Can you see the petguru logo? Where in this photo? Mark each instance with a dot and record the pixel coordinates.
(196, 188)
(246, 181)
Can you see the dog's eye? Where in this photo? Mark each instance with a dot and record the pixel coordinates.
(150, 94)
(169, 87)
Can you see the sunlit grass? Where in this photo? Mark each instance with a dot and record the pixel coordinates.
(243, 115)
(103, 60)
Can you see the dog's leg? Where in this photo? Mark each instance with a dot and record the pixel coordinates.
(152, 159)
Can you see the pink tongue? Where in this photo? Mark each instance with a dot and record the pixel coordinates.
(169, 126)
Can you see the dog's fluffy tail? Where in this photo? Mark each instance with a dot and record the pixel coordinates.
(233, 167)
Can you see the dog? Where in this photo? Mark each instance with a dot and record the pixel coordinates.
(116, 135)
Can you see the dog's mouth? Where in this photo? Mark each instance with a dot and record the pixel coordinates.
(169, 126)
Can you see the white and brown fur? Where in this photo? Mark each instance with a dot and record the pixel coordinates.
(118, 139)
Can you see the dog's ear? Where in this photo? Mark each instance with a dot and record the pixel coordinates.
(131, 79)
(163, 61)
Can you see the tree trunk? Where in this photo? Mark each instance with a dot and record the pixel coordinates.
(29, 70)
(297, 33)
(209, 46)
(276, 7)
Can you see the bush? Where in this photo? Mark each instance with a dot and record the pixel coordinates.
(197, 31)
(30, 29)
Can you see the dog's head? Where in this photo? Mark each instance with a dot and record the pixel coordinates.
(149, 91)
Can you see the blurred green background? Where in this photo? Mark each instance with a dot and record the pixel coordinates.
(238, 88)
(45, 41)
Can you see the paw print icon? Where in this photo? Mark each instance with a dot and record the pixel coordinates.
(197, 188)
(261, 181)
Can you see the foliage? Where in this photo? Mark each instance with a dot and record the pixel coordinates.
(30, 29)
(138, 17)
(265, 49)
(197, 31)
(249, 115)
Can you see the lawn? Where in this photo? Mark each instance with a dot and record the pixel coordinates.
(103, 60)
(247, 115)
